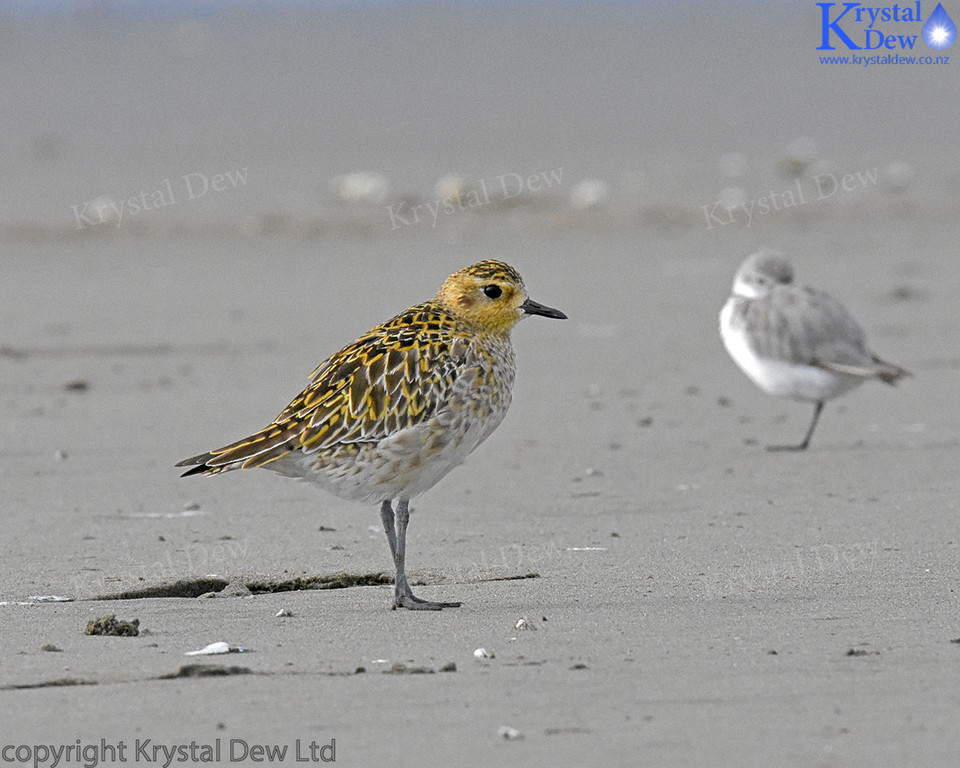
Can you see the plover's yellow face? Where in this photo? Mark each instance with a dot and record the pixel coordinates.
(491, 296)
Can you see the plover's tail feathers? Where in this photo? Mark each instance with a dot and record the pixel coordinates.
(265, 446)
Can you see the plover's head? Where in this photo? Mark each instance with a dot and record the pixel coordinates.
(491, 296)
(759, 274)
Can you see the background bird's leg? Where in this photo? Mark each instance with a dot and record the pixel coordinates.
(813, 425)
(403, 595)
(806, 440)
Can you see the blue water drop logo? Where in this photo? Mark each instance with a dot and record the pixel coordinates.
(939, 32)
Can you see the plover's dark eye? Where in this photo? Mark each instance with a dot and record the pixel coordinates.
(492, 291)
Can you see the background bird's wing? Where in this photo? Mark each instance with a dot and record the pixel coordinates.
(807, 327)
(397, 375)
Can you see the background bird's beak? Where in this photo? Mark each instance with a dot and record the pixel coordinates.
(532, 307)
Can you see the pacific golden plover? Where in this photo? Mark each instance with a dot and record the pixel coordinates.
(388, 416)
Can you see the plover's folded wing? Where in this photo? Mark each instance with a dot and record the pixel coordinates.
(397, 375)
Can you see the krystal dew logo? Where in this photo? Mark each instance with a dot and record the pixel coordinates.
(859, 27)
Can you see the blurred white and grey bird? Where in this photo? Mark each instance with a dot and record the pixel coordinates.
(795, 341)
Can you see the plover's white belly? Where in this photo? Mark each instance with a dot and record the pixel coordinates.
(405, 464)
(781, 377)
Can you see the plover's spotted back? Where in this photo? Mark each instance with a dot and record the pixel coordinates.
(389, 415)
(796, 341)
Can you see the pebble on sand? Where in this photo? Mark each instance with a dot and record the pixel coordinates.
(523, 623)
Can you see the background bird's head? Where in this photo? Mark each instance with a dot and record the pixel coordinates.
(760, 273)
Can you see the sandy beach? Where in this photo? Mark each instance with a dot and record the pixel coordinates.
(185, 236)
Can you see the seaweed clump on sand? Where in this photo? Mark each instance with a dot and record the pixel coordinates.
(111, 625)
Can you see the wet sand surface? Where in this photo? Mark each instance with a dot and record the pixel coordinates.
(688, 598)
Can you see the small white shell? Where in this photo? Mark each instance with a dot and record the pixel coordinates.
(802, 150)
(450, 187)
(733, 165)
(732, 197)
(360, 187)
(589, 194)
(284, 613)
(898, 176)
(216, 648)
(508, 733)
(106, 210)
(483, 653)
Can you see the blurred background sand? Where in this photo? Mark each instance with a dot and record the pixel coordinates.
(674, 555)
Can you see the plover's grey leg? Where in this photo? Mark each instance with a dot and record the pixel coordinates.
(386, 517)
(806, 440)
(403, 595)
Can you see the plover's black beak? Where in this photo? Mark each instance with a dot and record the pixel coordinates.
(532, 307)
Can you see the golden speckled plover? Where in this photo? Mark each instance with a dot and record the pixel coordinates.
(385, 418)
